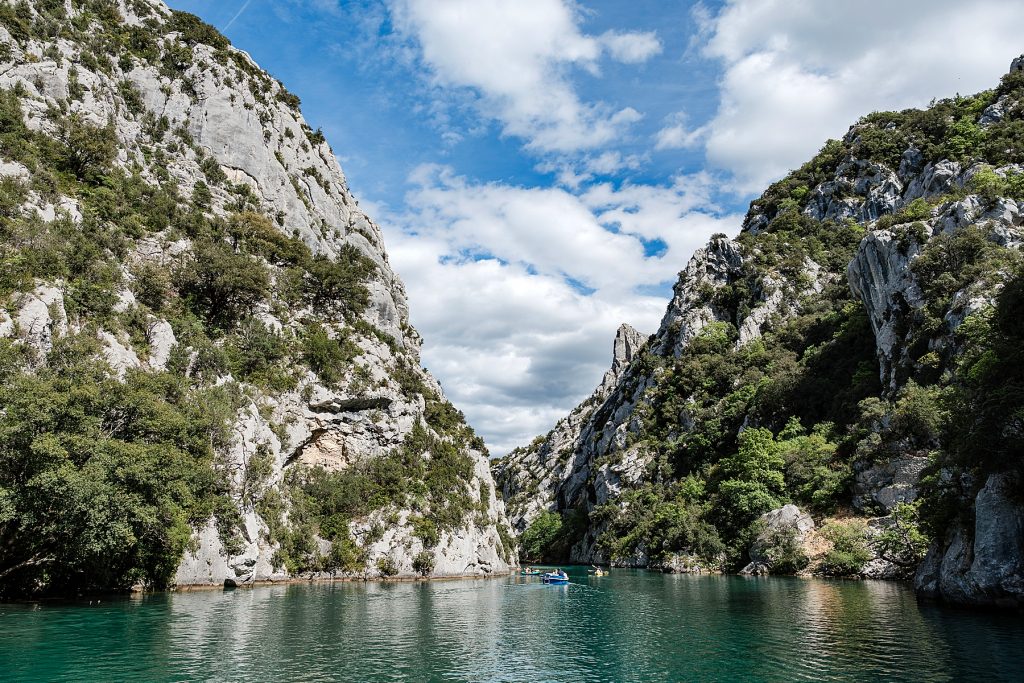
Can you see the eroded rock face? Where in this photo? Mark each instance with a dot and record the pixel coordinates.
(224, 118)
(603, 450)
(983, 565)
(880, 275)
(884, 485)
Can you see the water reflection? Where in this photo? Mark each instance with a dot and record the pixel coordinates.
(632, 625)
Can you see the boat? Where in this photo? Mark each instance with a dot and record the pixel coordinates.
(555, 578)
(530, 572)
(598, 572)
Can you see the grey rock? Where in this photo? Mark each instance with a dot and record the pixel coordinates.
(788, 519)
(259, 142)
(880, 276)
(41, 317)
(983, 565)
(934, 180)
(160, 336)
(884, 485)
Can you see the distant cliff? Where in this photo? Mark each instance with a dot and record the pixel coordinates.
(853, 354)
(207, 373)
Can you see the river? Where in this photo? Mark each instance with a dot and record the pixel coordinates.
(630, 626)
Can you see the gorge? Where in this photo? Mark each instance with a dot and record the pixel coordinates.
(209, 379)
(854, 351)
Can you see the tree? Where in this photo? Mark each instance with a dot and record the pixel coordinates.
(220, 284)
(423, 562)
(902, 543)
(754, 481)
(336, 285)
(89, 150)
(849, 551)
(541, 535)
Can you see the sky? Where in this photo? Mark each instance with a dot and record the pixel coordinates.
(543, 169)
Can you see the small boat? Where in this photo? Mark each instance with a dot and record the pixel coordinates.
(530, 572)
(555, 578)
(599, 572)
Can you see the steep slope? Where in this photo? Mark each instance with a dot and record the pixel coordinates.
(208, 374)
(853, 351)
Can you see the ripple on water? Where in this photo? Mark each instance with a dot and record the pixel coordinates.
(629, 626)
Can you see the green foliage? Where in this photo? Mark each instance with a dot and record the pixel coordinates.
(985, 424)
(257, 354)
(387, 566)
(849, 552)
(328, 357)
(345, 556)
(753, 481)
(784, 552)
(423, 562)
(336, 285)
(952, 261)
(540, 536)
(990, 185)
(194, 30)
(917, 210)
(103, 479)
(220, 285)
(425, 530)
(88, 149)
(903, 542)
(255, 234)
(659, 522)
(815, 476)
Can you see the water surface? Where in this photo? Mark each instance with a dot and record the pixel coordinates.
(630, 626)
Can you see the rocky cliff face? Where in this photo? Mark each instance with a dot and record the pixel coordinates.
(759, 387)
(310, 335)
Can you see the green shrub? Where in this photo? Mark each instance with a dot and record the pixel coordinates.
(849, 551)
(88, 150)
(151, 285)
(425, 530)
(540, 536)
(337, 285)
(256, 354)
(328, 358)
(387, 566)
(194, 30)
(102, 480)
(784, 552)
(423, 562)
(903, 543)
(220, 285)
(345, 556)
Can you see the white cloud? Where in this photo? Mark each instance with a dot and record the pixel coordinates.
(797, 72)
(631, 48)
(518, 57)
(518, 290)
(677, 135)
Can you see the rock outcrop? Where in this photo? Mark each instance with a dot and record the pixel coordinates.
(193, 115)
(787, 525)
(906, 219)
(984, 564)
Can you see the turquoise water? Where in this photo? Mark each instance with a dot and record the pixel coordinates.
(630, 626)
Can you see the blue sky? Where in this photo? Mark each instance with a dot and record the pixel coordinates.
(542, 169)
(382, 120)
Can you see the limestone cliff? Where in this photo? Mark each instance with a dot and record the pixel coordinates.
(311, 338)
(819, 358)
